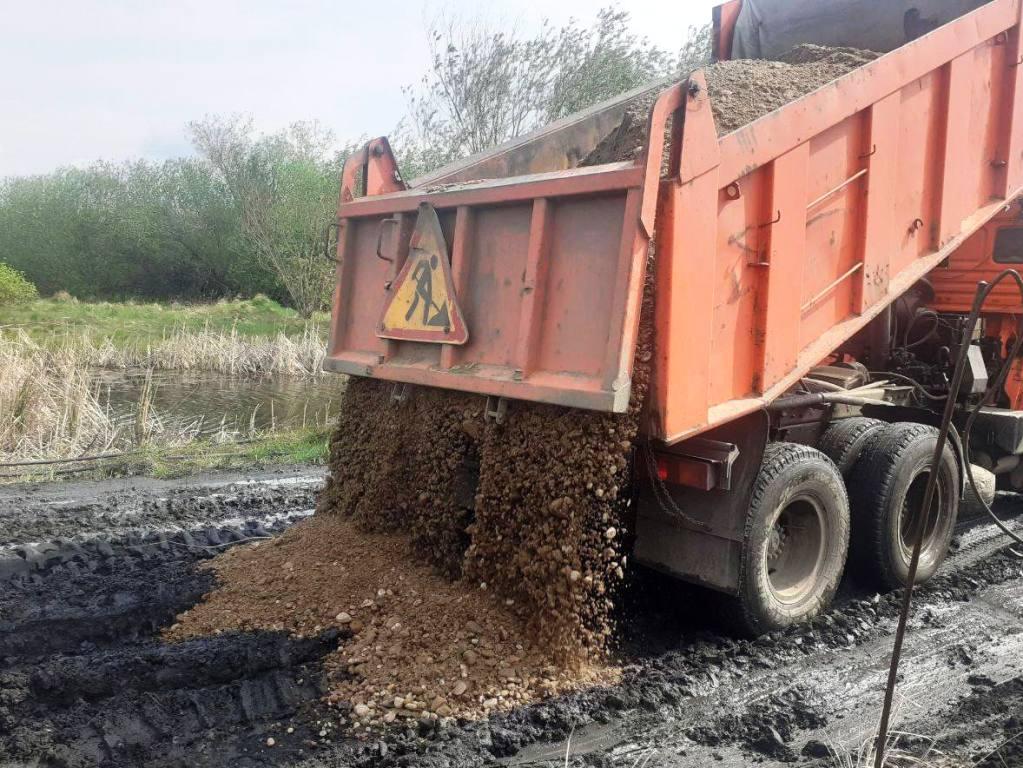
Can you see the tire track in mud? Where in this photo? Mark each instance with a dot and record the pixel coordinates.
(121, 506)
(83, 681)
(817, 685)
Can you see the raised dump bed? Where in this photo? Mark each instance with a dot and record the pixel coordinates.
(774, 243)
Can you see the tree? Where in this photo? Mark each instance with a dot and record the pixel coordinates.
(488, 85)
(695, 51)
(154, 230)
(594, 64)
(285, 188)
(14, 288)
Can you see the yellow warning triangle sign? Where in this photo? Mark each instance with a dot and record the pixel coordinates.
(421, 303)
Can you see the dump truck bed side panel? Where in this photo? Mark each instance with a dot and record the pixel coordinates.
(826, 210)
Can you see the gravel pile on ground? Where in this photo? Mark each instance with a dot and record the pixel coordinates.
(422, 648)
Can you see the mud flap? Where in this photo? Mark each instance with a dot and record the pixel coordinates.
(709, 557)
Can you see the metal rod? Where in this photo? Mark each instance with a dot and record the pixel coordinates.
(925, 510)
(831, 286)
(839, 188)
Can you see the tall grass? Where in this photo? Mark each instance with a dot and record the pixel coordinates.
(47, 405)
(216, 351)
(50, 404)
(226, 352)
(130, 323)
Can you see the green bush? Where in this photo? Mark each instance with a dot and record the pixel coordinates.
(14, 288)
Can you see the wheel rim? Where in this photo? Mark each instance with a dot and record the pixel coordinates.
(910, 517)
(796, 549)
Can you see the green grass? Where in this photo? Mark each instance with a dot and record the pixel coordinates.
(299, 446)
(134, 324)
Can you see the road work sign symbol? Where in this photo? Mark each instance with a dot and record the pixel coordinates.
(421, 303)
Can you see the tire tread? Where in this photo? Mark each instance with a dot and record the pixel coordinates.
(844, 441)
(870, 486)
(777, 459)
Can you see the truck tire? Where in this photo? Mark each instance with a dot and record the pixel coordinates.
(888, 481)
(975, 497)
(796, 539)
(844, 440)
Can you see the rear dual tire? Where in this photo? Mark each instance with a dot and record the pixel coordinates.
(799, 527)
(796, 539)
(886, 489)
(844, 440)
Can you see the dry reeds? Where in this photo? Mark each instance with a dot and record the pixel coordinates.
(50, 405)
(47, 405)
(206, 350)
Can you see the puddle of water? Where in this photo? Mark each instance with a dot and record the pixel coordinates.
(208, 403)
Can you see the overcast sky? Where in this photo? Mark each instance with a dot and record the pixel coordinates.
(91, 79)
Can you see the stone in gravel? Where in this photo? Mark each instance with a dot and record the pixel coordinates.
(815, 749)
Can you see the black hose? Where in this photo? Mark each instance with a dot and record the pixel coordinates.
(994, 387)
(966, 335)
(931, 332)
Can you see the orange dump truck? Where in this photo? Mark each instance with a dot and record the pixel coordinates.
(812, 271)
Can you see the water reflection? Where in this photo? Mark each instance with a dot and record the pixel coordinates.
(209, 403)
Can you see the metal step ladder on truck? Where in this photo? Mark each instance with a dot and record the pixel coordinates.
(812, 273)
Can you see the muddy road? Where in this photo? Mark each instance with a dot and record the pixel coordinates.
(91, 572)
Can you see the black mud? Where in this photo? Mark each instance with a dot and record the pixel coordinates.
(85, 679)
(47, 511)
(993, 712)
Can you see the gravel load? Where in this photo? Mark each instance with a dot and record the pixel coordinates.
(423, 647)
(741, 92)
(745, 90)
